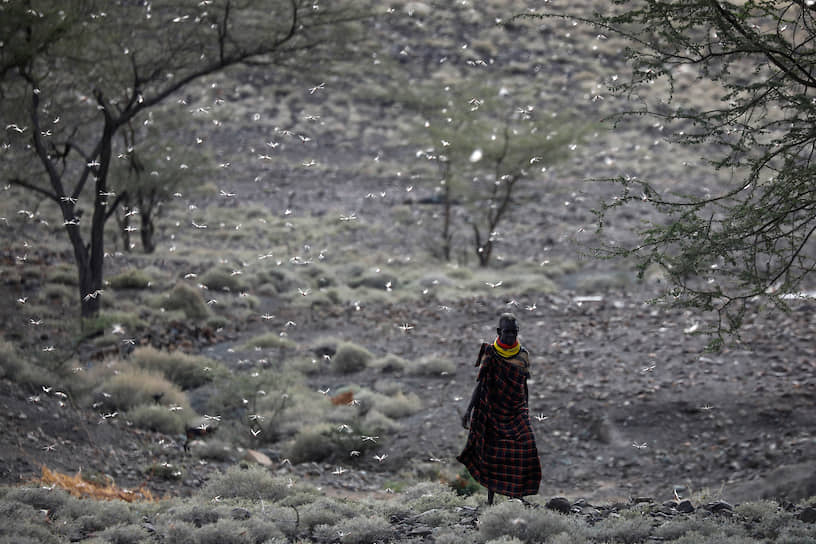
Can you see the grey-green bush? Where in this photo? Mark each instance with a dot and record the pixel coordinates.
(224, 531)
(125, 534)
(626, 530)
(324, 511)
(513, 519)
(186, 371)
(350, 358)
(133, 278)
(187, 299)
(154, 417)
(250, 483)
(221, 279)
(133, 387)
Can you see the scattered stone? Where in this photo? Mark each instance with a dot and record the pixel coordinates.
(641, 500)
(719, 507)
(685, 507)
(559, 504)
(254, 456)
(240, 513)
(421, 531)
(808, 515)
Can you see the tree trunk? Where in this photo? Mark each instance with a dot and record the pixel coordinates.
(147, 231)
(89, 294)
(446, 225)
(91, 268)
(124, 223)
(482, 250)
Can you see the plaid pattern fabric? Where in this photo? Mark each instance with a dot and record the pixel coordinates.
(501, 451)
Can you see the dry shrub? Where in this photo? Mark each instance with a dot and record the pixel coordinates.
(456, 535)
(626, 529)
(154, 417)
(133, 387)
(40, 498)
(273, 280)
(186, 299)
(196, 512)
(165, 471)
(350, 358)
(224, 531)
(324, 511)
(248, 483)
(28, 528)
(314, 443)
(15, 367)
(361, 529)
(377, 422)
(134, 278)
(678, 527)
(105, 321)
(390, 363)
(179, 532)
(719, 538)
(124, 534)
(186, 371)
(375, 280)
(433, 366)
(765, 518)
(325, 441)
(513, 519)
(504, 539)
(223, 279)
(396, 405)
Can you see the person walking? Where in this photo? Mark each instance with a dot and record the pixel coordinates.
(501, 452)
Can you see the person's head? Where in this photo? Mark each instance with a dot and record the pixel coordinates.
(507, 329)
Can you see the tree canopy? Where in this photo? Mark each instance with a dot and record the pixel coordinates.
(75, 73)
(487, 141)
(754, 238)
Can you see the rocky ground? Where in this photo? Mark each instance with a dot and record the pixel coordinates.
(624, 403)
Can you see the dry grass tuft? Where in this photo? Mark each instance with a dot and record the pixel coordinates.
(350, 358)
(186, 371)
(187, 299)
(133, 387)
(135, 278)
(223, 279)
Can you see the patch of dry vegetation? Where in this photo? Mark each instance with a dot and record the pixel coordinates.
(252, 504)
(186, 371)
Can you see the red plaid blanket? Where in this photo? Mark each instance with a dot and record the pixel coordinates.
(501, 451)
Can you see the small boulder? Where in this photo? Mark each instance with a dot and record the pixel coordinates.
(559, 504)
(685, 507)
(254, 456)
(719, 507)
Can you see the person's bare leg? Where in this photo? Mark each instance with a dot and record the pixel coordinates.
(490, 496)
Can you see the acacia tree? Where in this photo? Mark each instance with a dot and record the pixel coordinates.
(486, 142)
(75, 73)
(753, 238)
